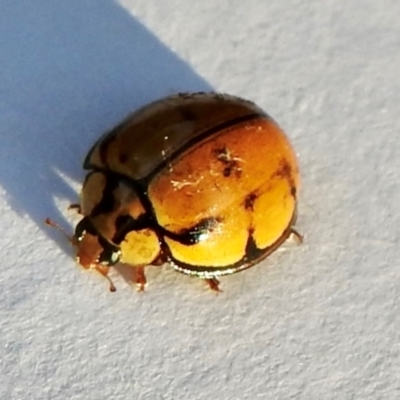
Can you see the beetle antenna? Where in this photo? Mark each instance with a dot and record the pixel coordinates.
(53, 224)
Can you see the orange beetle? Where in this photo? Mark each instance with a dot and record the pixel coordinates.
(205, 182)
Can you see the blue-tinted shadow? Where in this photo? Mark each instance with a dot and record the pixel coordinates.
(70, 70)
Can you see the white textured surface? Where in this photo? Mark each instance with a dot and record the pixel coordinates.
(319, 321)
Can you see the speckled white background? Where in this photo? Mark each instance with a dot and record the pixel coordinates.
(317, 321)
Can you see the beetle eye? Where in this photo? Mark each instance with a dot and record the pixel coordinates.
(84, 226)
(109, 258)
(110, 254)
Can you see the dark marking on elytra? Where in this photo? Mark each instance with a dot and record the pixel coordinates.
(198, 139)
(194, 234)
(230, 163)
(252, 251)
(252, 256)
(284, 171)
(227, 171)
(249, 201)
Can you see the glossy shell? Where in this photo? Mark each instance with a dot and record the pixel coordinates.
(206, 182)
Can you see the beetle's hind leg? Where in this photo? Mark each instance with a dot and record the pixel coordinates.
(213, 283)
(298, 237)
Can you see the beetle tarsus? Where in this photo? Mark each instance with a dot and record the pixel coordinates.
(103, 270)
(213, 283)
(140, 280)
(298, 237)
(76, 207)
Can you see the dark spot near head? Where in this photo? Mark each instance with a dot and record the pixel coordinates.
(293, 191)
(123, 158)
(249, 201)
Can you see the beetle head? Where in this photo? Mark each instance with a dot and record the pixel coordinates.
(93, 251)
(92, 248)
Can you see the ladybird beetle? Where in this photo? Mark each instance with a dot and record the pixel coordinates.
(205, 182)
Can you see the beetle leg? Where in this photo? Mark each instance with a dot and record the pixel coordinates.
(103, 270)
(76, 207)
(298, 237)
(213, 283)
(140, 280)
